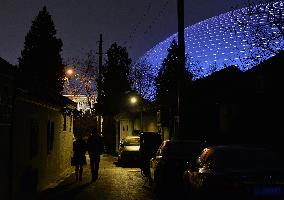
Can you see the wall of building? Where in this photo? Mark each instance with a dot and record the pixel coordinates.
(150, 122)
(82, 102)
(37, 163)
(6, 97)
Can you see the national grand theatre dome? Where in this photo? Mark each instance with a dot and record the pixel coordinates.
(232, 38)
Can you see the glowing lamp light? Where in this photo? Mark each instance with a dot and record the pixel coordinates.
(70, 72)
(133, 100)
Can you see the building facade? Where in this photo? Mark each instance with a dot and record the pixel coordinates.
(36, 138)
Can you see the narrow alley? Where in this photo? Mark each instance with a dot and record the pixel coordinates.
(114, 182)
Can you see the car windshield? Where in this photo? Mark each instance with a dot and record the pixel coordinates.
(132, 141)
(247, 159)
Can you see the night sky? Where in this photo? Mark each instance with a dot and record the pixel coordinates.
(136, 24)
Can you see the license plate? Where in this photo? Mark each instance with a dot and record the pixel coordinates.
(268, 191)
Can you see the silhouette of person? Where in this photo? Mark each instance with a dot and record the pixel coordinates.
(95, 149)
(79, 151)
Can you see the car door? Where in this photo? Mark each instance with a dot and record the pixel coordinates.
(155, 160)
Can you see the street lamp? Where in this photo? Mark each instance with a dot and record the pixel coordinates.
(134, 100)
(69, 72)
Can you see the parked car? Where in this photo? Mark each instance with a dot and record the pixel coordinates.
(235, 172)
(128, 151)
(168, 165)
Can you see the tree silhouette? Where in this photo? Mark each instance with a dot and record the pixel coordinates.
(173, 88)
(115, 81)
(40, 64)
(115, 86)
(168, 78)
(142, 79)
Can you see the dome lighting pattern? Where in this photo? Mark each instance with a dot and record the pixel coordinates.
(223, 41)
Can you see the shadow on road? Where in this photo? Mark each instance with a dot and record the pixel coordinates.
(66, 191)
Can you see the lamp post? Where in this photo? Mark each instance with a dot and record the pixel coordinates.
(134, 100)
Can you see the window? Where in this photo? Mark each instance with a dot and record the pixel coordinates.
(50, 136)
(70, 126)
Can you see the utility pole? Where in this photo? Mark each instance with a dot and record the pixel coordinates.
(181, 57)
(141, 113)
(100, 65)
(99, 82)
(181, 32)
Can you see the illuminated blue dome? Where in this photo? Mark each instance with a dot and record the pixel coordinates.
(222, 41)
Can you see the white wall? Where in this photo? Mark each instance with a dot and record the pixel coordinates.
(45, 169)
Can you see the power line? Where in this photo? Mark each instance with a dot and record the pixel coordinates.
(159, 14)
(136, 26)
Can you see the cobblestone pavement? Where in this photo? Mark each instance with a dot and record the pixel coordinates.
(114, 182)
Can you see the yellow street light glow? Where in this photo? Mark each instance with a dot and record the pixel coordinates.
(133, 100)
(70, 72)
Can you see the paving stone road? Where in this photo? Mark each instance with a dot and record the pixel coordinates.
(114, 182)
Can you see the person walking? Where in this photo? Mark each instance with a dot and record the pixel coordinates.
(79, 151)
(95, 149)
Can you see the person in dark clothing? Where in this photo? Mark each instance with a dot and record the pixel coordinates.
(95, 149)
(79, 151)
